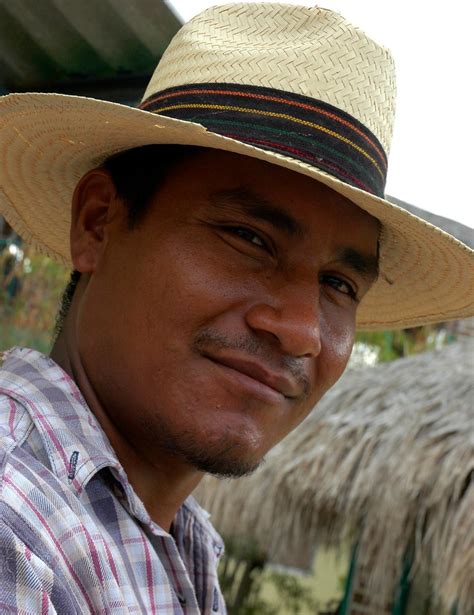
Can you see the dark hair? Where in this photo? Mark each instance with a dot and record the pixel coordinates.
(138, 174)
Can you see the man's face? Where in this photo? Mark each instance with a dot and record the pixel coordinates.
(211, 330)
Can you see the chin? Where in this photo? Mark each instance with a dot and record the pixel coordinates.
(224, 466)
(227, 440)
(231, 455)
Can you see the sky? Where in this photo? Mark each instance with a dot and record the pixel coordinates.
(431, 162)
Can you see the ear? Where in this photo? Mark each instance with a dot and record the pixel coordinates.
(94, 206)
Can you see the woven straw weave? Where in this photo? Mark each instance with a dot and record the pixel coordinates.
(313, 52)
(48, 141)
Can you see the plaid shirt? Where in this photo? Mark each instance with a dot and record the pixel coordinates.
(74, 536)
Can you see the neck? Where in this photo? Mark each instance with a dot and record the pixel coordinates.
(162, 483)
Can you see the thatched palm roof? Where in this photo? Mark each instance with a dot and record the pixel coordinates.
(388, 457)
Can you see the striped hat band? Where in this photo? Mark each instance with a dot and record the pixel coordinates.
(314, 132)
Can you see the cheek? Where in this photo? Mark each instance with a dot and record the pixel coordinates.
(337, 340)
(336, 347)
(191, 286)
(175, 293)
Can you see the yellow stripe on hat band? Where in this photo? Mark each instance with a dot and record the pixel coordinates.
(278, 115)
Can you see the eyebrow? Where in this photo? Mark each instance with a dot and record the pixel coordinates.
(257, 207)
(365, 265)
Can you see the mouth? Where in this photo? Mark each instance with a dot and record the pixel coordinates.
(256, 379)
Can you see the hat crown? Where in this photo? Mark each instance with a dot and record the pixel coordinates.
(310, 51)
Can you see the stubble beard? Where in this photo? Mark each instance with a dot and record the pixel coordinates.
(224, 459)
(220, 461)
(229, 456)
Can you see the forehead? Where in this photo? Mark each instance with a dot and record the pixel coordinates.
(224, 180)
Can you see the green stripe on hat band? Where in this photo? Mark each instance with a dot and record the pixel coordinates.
(344, 160)
(311, 131)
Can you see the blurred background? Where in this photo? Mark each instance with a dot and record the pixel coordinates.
(108, 49)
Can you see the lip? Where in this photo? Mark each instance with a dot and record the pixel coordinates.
(260, 380)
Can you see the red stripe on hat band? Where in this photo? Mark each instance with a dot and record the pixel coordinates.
(319, 134)
(377, 148)
(302, 156)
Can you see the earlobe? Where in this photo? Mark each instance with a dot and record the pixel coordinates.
(93, 207)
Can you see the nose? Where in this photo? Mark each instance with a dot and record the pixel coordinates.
(293, 322)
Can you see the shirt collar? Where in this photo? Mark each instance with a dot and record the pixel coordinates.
(74, 441)
(76, 445)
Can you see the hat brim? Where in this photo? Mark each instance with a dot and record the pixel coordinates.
(48, 142)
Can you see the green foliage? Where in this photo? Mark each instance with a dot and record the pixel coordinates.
(31, 285)
(293, 596)
(240, 575)
(251, 588)
(393, 345)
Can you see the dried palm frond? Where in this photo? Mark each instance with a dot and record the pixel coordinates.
(387, 458)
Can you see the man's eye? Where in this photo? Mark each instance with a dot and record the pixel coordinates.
(248, 235)
(340, 285)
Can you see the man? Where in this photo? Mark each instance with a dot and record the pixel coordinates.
(226, 240)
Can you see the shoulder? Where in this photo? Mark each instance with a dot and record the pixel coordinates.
(26, 481)
(15, 423)
(15, 420)
(15, 426)
(22, 387)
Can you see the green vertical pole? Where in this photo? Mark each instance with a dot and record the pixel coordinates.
(401, 597)
(344, 608)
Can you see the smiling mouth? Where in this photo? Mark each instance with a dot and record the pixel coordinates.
(256, 380)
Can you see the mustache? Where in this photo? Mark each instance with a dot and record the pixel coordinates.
(252, 346)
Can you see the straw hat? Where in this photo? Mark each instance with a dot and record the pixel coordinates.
(295, 86)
